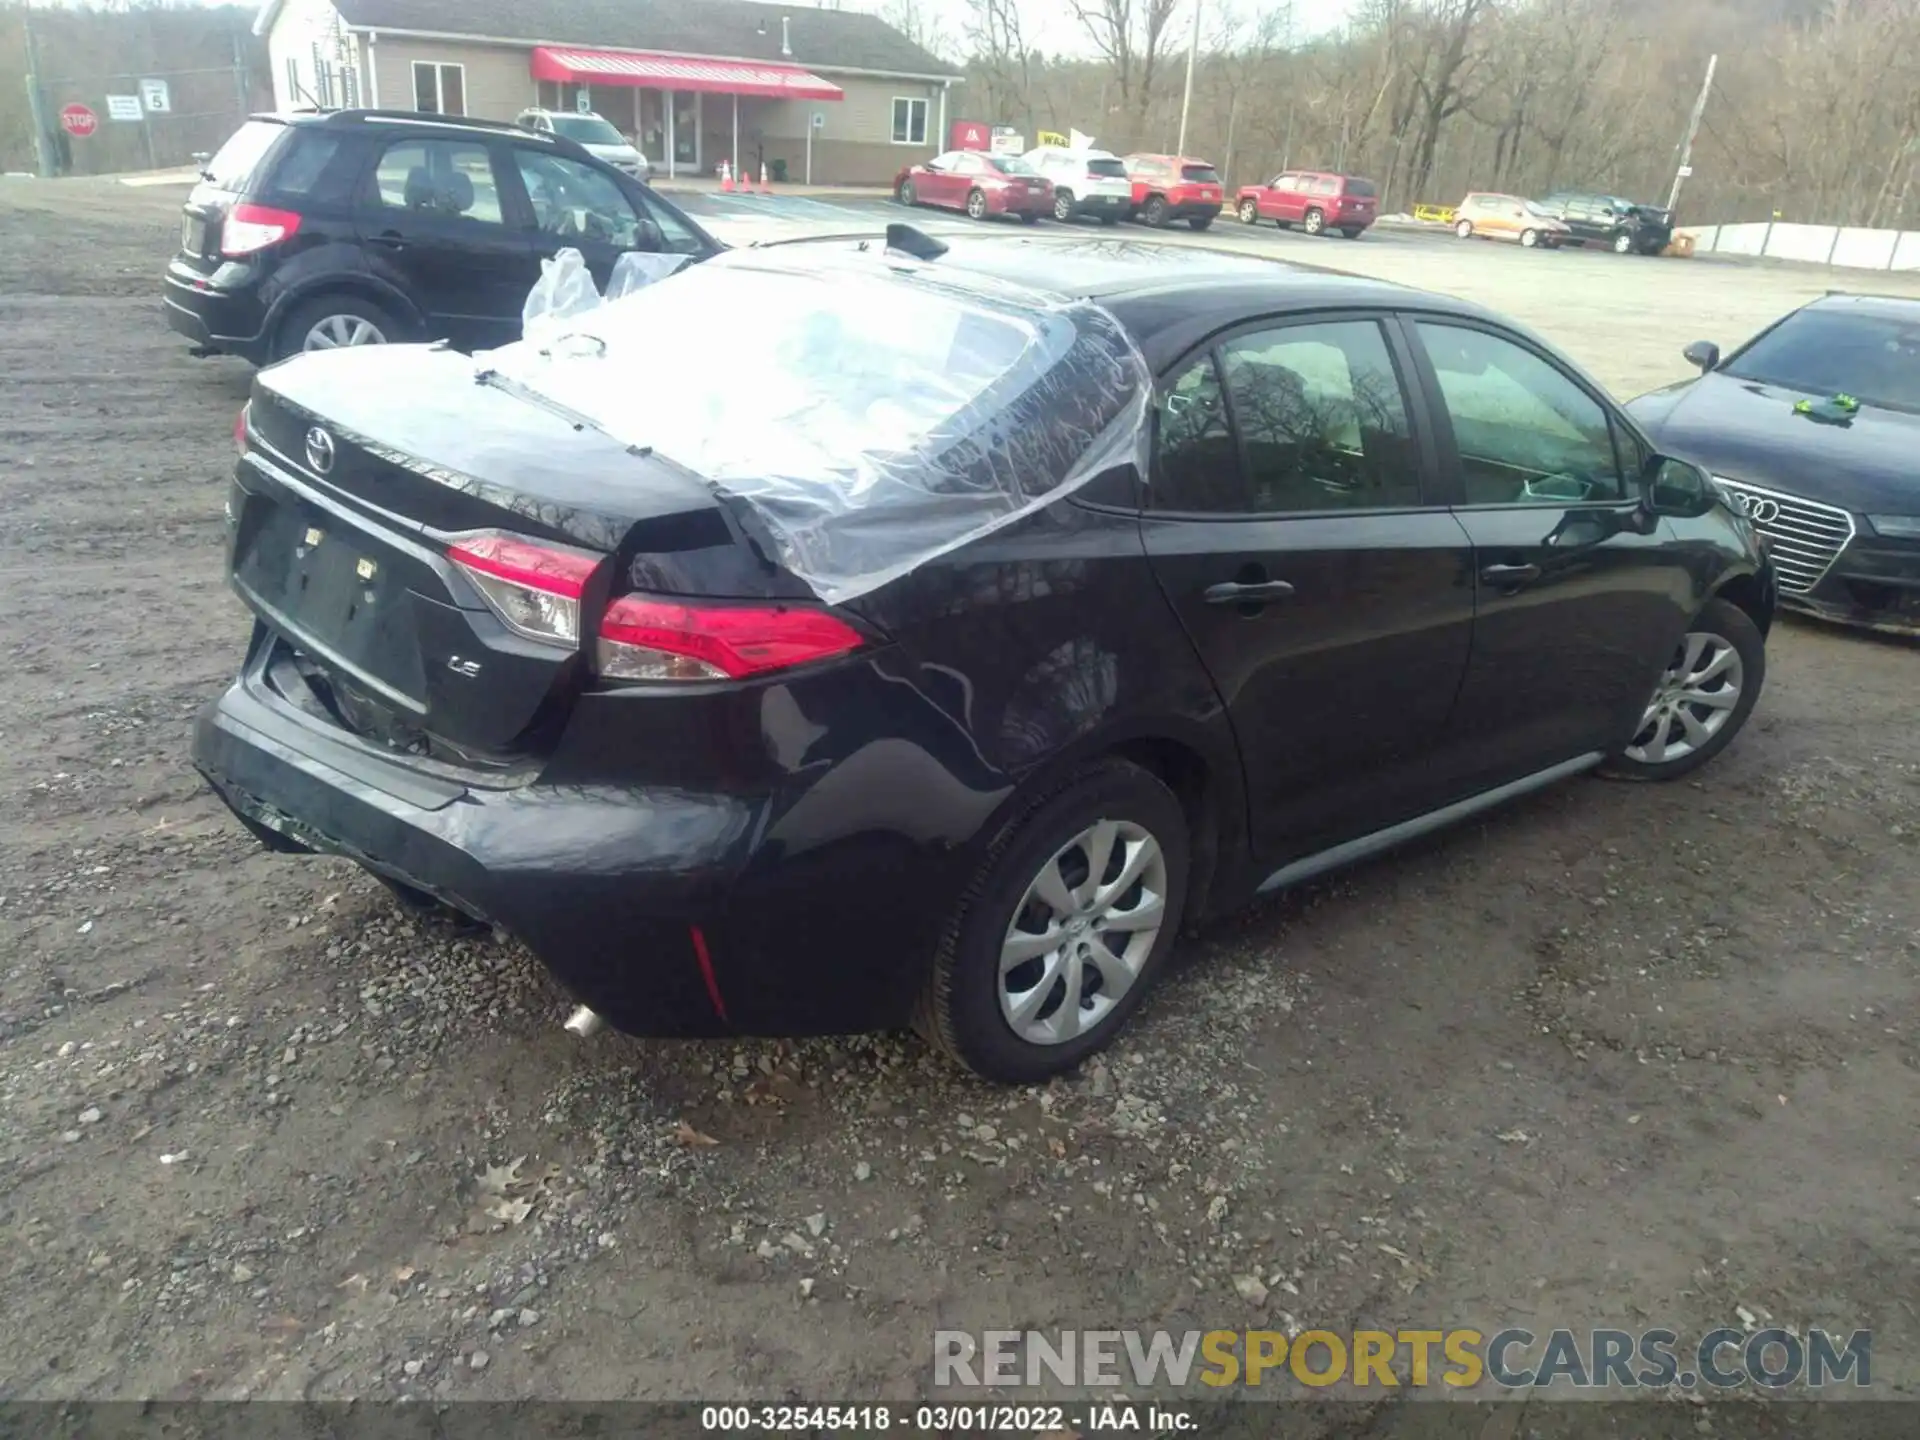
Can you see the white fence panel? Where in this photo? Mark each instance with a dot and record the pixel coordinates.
(1742, 240)
(1809, 244)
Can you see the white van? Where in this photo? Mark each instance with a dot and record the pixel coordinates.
(1085, 182)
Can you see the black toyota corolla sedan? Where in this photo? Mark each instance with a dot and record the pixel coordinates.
(932, 648)
(1812, 428)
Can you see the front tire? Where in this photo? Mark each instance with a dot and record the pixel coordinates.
(1464, 229)
(1353, 232)
(1249, 213)
(1063, 929)
(1530, 238)
(1316, 222)
(1702, 699)
(907, 195)
(1623, 243)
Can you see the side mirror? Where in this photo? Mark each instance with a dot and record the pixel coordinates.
(1703, 355)
(1677, 488)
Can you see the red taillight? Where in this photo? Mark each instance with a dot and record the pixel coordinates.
(643, 638)
(533, 587)
(250, 229)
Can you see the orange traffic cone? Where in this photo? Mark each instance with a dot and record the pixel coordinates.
(726, 177)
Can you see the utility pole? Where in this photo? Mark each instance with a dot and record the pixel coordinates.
(1685, 168)
(36, 102)
(1186, 100)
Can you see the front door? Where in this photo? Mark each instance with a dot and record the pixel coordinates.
(1329, 596)
(577, 207)
(434, 223)
(1289, 205)
(1576, 611)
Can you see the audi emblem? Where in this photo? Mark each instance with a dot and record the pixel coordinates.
(319, 450)
(1760, 509)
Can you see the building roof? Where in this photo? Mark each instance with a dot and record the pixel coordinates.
(735, 29)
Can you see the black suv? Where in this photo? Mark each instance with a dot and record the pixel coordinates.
(1621, 225)
(359, 227)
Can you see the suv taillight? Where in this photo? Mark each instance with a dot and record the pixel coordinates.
(250, 228)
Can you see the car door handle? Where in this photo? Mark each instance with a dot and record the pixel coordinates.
(389, 240)
(1510, 574)
(1233, 592)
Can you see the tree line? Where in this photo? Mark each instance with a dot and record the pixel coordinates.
(1814, 113)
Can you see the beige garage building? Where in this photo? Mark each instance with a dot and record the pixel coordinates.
(692, 82)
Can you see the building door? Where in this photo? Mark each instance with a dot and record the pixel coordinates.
(686, 130)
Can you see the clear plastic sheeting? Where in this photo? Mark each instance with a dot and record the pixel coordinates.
(871, 413)
(566, 290)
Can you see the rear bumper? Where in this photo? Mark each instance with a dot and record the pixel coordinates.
(1102, 204)
(230, 321)
(608, 884)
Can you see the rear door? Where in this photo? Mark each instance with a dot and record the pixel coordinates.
(1576, 613)
(1327, 592)
(435, 219)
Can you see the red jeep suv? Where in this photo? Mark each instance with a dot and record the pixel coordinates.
(1316, 201)
(1174, 187)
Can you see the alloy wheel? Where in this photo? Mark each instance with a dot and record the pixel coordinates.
(1529, 238)
(977, 206)
(334, 331)
(1693, 701)
(1063, 205)
(1249, 212)
(1316, 222)
(1464, 229)
(1622, 244)
(1082, 932)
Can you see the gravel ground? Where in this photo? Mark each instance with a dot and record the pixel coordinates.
(1613, 1056)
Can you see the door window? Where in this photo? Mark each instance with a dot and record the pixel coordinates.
(1196, 461)
(449, 179)
(1321, 419)
(575, 202)
(1527, 434)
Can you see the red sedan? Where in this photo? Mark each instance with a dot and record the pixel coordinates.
(979, 184)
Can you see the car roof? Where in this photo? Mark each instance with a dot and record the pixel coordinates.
(1888, 307)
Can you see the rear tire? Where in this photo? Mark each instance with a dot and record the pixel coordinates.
(1721, 663)
(1353, 232)
(1155, 212)
(1063, 205)
(976, 205)
(334, 321)
(1315, 222)
(1109, 219)
(1199, 222)
(988, 976)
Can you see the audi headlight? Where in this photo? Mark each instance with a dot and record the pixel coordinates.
(1896, 527)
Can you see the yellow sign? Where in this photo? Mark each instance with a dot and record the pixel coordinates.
(1052, 137)
(1436, 214)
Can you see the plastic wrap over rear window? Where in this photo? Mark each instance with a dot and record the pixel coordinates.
(234, 164)
(868, 412)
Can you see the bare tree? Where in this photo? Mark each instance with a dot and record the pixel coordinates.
(1130, 35)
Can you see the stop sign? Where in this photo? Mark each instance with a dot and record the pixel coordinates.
(79, 120)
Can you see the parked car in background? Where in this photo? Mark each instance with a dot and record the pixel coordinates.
(595, 135)
(1812, 429)
(983, 185)
(1622, 226)
(861, 676)
(355, 227)
(1174, 187)
(1085, 183)
(1315, 200)
(1508, 217)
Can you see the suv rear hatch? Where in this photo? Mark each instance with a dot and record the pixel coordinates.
(1106, 176)
(226, 178)
(1199, 184)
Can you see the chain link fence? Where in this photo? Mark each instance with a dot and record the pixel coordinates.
(196, 111)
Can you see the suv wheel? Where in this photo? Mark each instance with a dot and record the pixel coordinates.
(1063, 929)
(1702, 700)
(1464, 229)
(1316, 221)
(1063, 205)
(1249, 213)
(328, 322)
(1530, 238)
(1155, 213)
(1623, 243)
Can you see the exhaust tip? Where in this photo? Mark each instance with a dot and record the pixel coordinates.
(585, 1023)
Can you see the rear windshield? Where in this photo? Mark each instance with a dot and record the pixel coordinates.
(1834, 352)
(1107, 167)
(881, 417)
(1200, 174)
(1360, 188)
(587, 130)
(235, 162)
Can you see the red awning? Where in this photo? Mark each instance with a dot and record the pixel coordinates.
(678, 72)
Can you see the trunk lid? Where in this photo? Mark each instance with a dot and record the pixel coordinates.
(364, 467)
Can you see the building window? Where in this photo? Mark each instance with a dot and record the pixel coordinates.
(439, 89)
(909, 121)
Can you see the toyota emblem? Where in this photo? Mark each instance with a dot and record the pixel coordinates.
(319, 450)
(1761, 509)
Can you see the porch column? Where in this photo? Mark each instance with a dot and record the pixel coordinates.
(666, 99)
(736, 137)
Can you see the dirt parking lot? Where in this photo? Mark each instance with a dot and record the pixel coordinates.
(1613, 1056)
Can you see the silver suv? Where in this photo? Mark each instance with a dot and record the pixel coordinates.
(593, 134)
